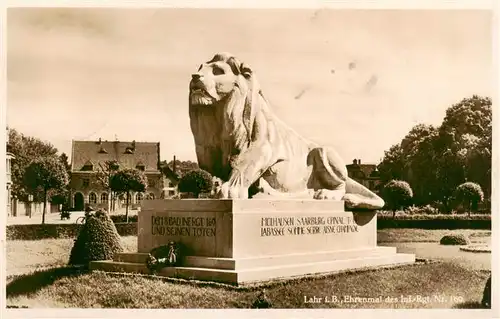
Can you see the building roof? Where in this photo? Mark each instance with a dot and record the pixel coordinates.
(368, 170)
(126, 154)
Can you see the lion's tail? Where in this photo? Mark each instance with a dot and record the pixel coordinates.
(368, 197)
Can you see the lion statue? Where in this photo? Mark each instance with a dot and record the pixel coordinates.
(241, 141)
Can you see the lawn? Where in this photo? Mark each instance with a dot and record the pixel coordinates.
(36, 278)
(59, 288)
(24, 256)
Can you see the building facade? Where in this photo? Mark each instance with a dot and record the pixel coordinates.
(365, 174)
(90, 160)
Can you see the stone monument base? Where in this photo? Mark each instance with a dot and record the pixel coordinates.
(242, 241)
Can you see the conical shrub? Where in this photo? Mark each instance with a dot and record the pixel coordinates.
(98, 239)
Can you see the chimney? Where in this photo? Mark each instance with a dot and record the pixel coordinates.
(354, 161)
(100, 141)
(173, 166)
(359, 161)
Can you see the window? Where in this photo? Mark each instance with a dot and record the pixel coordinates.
(170, 184)
(171, 193)
(104, 197)
(138, 198)
(85, 182)
(151, 196)
(140, 167)
(92, 198)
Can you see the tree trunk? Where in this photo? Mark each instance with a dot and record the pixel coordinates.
(44, 206)
(394, 214)
(110, 198)
(126, 208)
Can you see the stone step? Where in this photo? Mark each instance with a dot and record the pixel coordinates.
(258, 274)
(264, 261)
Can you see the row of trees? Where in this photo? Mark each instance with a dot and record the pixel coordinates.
(436, 160)
(398, 195)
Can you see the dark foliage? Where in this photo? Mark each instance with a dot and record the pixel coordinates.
(98, 240)
(455, 239)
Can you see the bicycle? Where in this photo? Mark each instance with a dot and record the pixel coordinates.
(81, 220)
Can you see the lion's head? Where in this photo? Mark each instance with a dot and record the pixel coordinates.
(217, 79)
(224, 98)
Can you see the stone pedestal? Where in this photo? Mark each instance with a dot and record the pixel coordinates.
(238, 241)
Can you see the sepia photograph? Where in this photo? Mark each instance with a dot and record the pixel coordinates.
(249, 158)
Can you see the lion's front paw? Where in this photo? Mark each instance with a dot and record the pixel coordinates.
(231, 192)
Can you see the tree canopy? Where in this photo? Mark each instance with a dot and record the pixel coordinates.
(44, 175)
(26, 149)
(196, 182)
(128, 180)
(435, 160)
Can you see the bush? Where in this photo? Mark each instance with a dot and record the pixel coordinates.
(196, 182)
(422, 210)
(469, 195)
(455, 239)
(397, 195)
(98, 240)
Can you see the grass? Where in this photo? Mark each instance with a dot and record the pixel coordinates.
(31, 284)
(66, 288)
(29, 255)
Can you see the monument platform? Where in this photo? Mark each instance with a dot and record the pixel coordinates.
(241, 241)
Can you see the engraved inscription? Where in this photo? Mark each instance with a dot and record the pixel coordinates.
(183, 226)
(291, 226)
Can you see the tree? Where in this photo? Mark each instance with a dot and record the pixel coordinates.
(397, 195)
(196, 182)
(181, 167)
(466, 133)
(103, 178)
(61, 196)
(26, 149)
(469, 195)
(127, 180)
(44, 175)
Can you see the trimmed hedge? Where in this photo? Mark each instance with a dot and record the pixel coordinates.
(97, 240)
(455, 239)
(448, 222)
(39, 231)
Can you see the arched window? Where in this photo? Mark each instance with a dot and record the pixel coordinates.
(151, 196)
(138, 198)
(92, 198)
(104, 197)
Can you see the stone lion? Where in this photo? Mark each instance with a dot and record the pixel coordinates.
(239, 139)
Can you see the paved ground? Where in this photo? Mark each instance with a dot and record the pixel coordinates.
(55, 218)
(470, 260)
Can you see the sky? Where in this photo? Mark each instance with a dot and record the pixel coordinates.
(356, 80)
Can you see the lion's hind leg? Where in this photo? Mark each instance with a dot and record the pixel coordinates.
(329, 174)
